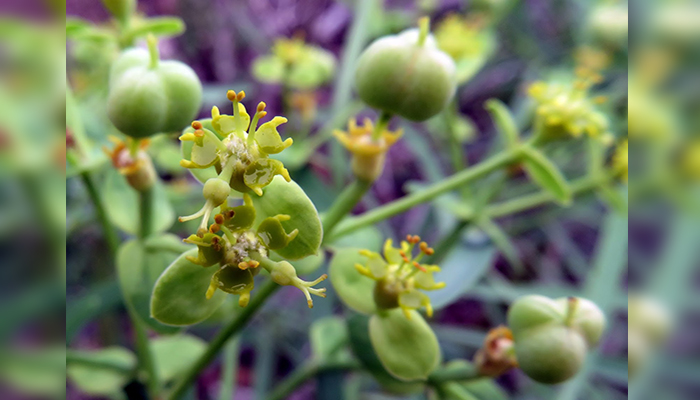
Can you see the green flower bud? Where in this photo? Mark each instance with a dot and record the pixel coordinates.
(406, 74)
(552, 337)
(148, 96)
(216, 190)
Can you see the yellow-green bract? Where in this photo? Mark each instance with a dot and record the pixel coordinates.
(282, 197)
(355, 289)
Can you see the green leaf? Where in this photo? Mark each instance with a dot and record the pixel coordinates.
(282, 197)
(547, 175)
(358, 331)
(369, 238)
(328, 337)
(268, 69)
(179, 293)
(173, 355)
(76, 26)
(122, 204)
(504, 121)
(158, 26)
(138, 270)
(353, 288)
(96, 381)
(479, 388)
(35, 372)
(407, 347)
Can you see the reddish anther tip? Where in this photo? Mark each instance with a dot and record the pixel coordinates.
(199, 133)
(240, 96)
(219, 219)
(230, 214)
(261, 106)
(196, 125)
(214, 228)
(420, 267)
(231, 95)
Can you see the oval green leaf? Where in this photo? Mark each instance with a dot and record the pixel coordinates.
(504, 121)
(407, 347)
(353, 288)
(282, 197)
(138, 269)
(547, 175)
(178, 296)
(122, 204)
(173, 355)
(102, 381)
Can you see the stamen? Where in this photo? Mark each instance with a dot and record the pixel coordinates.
(196, 125)
(420, 267)
(214, 228)
(219, 219)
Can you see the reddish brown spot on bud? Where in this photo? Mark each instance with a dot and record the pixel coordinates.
(230, 214)
(196, 125)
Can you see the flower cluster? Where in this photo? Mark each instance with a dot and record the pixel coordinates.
(400, 275)
(459, 36)
(567, 109)
(621, 161)
(239, 241)
(368, 153)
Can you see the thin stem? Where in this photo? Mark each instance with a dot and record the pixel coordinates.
(444, 246)
(344, 204)
(306, 372)
(108, 230)
(382, 124)
(424, 26)
(464, 373)
(233, 327)
(143, 350)
(530, 201)
(146, 212)
(453, 182)
(153, 51)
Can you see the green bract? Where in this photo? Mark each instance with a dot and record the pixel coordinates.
(407, 347)
(178, 295)
(282, 197)
(552, 336)
(398, 74)
(148, 96)
(353, 288)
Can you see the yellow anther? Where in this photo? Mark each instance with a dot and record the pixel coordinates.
(261, 106)
(231, 95)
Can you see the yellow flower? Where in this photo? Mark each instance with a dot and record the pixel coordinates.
(400, 275)
(368, 153)
(459, 36)
(691, 160)
(567, 109)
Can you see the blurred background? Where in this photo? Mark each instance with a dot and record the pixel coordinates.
(54, 296)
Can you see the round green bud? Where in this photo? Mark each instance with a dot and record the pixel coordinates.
(550, 354)
(552, 337)
(404, 75)
(216, 190)
(148, 96)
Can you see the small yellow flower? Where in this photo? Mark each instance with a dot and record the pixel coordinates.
(132, 161)
(568, 109)
(621, 161)
(458, 36)
(368, 154)
(497, 354)
(400, 275)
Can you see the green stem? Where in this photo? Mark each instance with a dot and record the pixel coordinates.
(108, 230)
(228, 381)
(464, 373)
(233, 327)
(444, 246)
(146, 212)
(382, 124)
(344, 204)
(453, 182)
(306, 372)
(424, 26)
(533, 200)
(143, 350)
(153, 51)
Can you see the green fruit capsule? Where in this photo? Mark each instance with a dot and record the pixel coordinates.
(406, 74)
(148, 96)
(552, 337)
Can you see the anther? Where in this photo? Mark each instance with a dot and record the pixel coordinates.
(196, 125)
(199, 133)
(261, 106)
(230, 214)
(214, 228)
(219, 219)
(240, 96)
(420, 267)
(231, 95)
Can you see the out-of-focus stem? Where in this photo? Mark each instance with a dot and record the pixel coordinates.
(344, 203)
(108, 230)
(305, 372)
